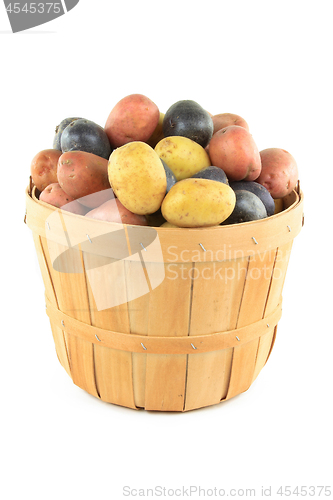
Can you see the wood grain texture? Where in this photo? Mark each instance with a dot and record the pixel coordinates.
(57, 333)
(70, 288)
(252, 308)
(169, 310)
(106, 285)
(217, 292)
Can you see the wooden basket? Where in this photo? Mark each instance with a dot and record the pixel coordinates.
(187, 325)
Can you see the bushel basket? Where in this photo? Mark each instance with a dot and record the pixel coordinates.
(162, 318)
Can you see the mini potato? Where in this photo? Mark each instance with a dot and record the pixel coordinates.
(80, 174)
(279, 172)
(157, 135)
(198, 203)
(184, 156)
(114, 211)
(223, 120)
(133, 118)
(44, 168)
(137, 177)
(233, 149)
(55, 195)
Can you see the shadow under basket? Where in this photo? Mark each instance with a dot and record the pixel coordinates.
(162, 318)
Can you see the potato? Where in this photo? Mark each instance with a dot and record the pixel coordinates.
(43, 168)
(259, 191)
(234, 150)
(55, 195)
(81, 174)
(156, 219)
(59, 130)
(213, 173)
(187, 118)
(134, 118)
(114, 211)
(137, 177)
(86, 135)
(170, 176)
(157, 135)
(248, 207)
(75, 208)
(184, 156)
(223, 120)
(198, 203)
(94, 200)
(279, 172)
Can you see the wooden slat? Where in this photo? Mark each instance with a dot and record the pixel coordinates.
(57, 333)
(138, 315)
(165, 382)
(252, 309)
(274, 297)
(217, 292)
(256, 288)
(169, 310)
(265, 343)
(106, 284)
(70, 288)
(278, 278)
(208, 378)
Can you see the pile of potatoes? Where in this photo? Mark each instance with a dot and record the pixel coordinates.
(184, 168)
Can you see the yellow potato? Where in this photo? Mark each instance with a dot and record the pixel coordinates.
(137, 177)
(182, 155)
(198, 203)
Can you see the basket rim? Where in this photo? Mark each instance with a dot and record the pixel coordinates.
(296, 195)
(203, 244)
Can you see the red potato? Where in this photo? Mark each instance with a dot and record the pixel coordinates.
(75, 208)
(234, 150)
(43, 168)
(114, 211)
(94, 200)
(55, 195)
(134, 118)
(279, 172)
(223, 120)
(80, 174)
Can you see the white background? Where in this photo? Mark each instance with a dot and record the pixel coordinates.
(270, 62)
